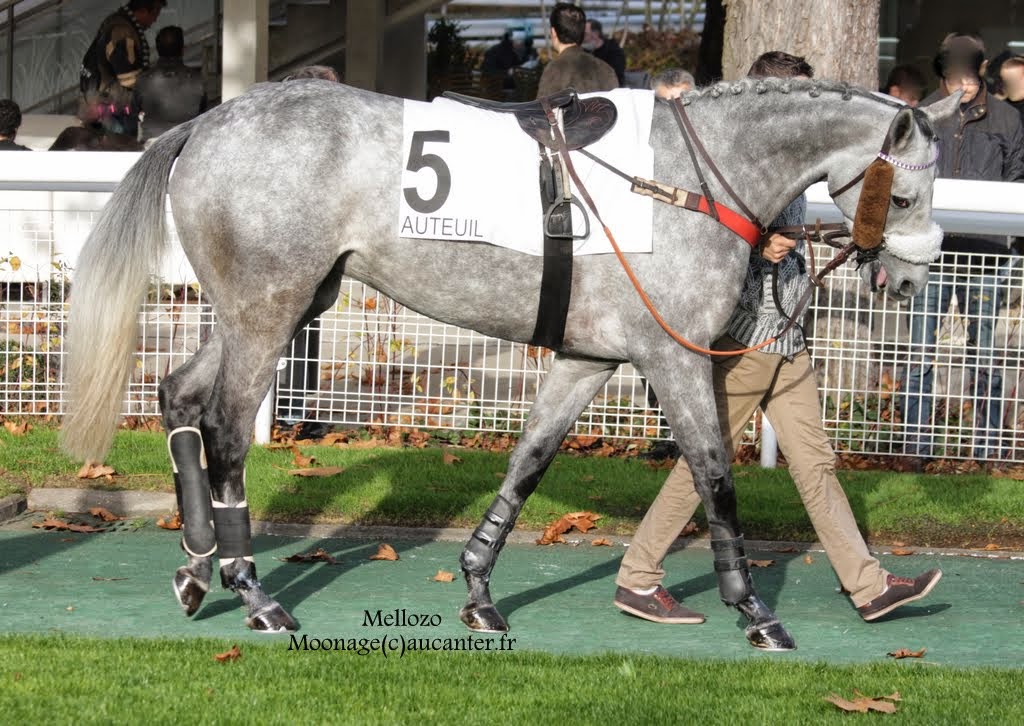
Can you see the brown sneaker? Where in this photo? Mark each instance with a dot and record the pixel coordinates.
(899, 591)
(658, 607)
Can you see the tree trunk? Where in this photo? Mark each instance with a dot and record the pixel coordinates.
(709, 57)
(839, 38)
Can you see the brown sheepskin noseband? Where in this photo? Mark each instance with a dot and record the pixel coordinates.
(873, 206)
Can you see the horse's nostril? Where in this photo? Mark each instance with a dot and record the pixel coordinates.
(907, 288)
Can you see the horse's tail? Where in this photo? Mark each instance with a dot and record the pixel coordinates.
(109, 282)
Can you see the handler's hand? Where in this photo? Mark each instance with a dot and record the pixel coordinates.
(776, 247)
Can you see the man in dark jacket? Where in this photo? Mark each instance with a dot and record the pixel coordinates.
(573, 67)
(10, 121)
(984, 141)
(122, 53)
(169, 92)
(606, 49)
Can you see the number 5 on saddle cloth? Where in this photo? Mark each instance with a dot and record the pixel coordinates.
(583, 121)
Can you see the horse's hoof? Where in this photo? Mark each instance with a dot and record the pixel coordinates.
(189, 591)
(483, 618)
(770, 636)
(272, 619)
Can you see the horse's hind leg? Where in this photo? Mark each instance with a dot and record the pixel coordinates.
(692, 415)
(248, 362)
(183, 397)
(568, 388)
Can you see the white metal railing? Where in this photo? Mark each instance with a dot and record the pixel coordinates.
(371, 360)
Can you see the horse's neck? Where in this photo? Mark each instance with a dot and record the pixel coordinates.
(771, 152)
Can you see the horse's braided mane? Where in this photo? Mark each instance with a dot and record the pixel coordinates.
(811, 87)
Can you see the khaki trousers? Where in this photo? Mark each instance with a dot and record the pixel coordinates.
(787, 391)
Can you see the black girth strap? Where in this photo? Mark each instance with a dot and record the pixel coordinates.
(556, 278)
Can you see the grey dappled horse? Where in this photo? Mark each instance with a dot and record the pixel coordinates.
(278, 193)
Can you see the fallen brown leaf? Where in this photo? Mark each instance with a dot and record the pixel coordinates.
(601, 542)
(991, 547)
(317, 471)
(93, 470)
(385, 552)
(444, 576)
(450, 459)
(317, 555)
(85, 528)
(104, 514)
(583, 521)
(419, 439)
(233, 654)
(906, 653)
(862, 704)
(902, 552)
(173, 523)
(60, 525)
(300, 461)
(17, 429)
(760, 563)
(335, 437)
(808, 560)
(365, 443)
(658, 465)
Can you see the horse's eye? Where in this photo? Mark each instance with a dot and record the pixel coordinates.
(901, 202)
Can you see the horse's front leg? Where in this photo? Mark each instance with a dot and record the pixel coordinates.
(690, 410)
(568, 388)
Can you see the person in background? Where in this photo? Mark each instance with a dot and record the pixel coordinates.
(572, 67)
(672, 83)
(88, 138)
(983, 141)
(1006, 79)
(507, 54)
(169, 92)
(121, 55)
(606, 49)
(906, 83)
(10, 122)
(780, 380)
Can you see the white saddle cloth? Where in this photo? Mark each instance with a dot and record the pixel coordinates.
(470, 174)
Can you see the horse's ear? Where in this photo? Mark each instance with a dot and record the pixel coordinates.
(944, 109)
(903, 128)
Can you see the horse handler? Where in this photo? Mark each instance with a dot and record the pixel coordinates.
(780, 379)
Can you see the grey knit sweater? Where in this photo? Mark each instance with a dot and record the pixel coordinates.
(756, 317)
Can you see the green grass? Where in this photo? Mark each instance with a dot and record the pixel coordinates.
(58, 679)
(413, 487)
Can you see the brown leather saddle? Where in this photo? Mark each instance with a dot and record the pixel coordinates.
(585, 120)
